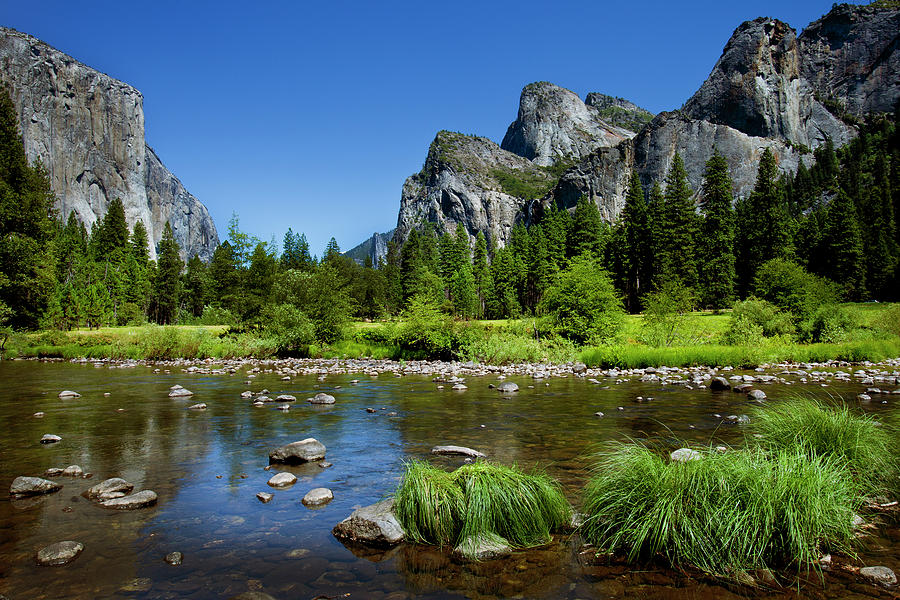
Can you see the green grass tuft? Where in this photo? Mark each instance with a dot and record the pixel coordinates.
(726, 513)
(479, 501)
(869, 448)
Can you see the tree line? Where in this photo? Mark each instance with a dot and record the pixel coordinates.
(836, 220)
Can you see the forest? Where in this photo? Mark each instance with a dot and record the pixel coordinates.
(782, 259)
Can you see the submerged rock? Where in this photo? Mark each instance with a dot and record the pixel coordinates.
(174, 558)
(140, 499)
(180, 392)
(508, 387)
(375, 524)
(318, 497)
(879, 575)
(114, 487)
(458, 451)
(60, 553)
(32, 486)
(483, 548)
(757, 395)
(307, 450)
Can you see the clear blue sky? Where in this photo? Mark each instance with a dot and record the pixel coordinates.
(310, 115)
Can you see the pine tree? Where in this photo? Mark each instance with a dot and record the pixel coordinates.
(717, 265)
(656, 209)
(332, 251)
(588, 231)
(27, 272)
(677, 254)
(765, 225)
(481, 273)
(167, 283)
(112, 233)
(842, 244)
(556, 223)
(636, 248)
(196, 286)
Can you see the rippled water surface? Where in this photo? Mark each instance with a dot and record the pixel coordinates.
(207, 467)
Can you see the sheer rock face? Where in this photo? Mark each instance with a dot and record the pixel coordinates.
(461, 183)
(756, 87)
(851, 55)
(88, 130)
(554, 123)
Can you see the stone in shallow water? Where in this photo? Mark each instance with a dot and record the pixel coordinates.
(60, 553)
(880, 575)
(317, 497)
(321, 398)
(137, 585)
(49, 438)
(457, 450)
(684, 455)
(69, 394)
(508, 387)
(114, 487)
(375, 524)
(73, 471)
(141, 499)
(174, 558)
(719, 384)
(306, 450)
(483, 548)
(280, 480)
(180, 392)
(32, 486)
(265, 497)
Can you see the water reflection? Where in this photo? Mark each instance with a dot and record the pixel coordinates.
(207, 467)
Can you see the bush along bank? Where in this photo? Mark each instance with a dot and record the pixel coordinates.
(790, 496)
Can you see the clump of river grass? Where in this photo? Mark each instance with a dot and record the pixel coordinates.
(479, 502)
(869, 448)
(724, 513)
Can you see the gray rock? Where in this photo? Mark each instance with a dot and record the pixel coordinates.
(483, 548)
(53, 472)
(864, 397)
(114, 487)
(757, 395)
(88, 131)
(69, 394)
(174, 558)
(458, 451)
(282, 480)
(685, 455)
(73, 471)
(460, 387)
(719, 384)
(375, 525)
(317, 497)
(265, 497)
(198, 406)
(180, 392)
(879, 575)
(286, 398)
(321, 398)
(508, 387)
(579, 367)
(307, 450)
(49, 438)
(619, 112)
(742, 388)
(737, 419)
(137, 500)
(554, 123)
(60, 553)
(32, 486)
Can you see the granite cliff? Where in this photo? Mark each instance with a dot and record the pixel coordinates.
(88, 130)
(769, 89)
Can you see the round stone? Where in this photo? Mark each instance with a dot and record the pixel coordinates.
(60, 553)
(318, 497)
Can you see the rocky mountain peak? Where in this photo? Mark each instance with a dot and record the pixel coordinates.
(756, 88)
(87, 128)
(850, 56)
(554, 123)
(619, 111)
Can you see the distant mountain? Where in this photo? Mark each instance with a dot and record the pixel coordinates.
(374, 248)
(88, 131)
(769, 89)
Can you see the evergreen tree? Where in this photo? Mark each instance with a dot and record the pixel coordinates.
(224, 276)
(555, 223)
(588, 231)
(390, 269)
(27, 272)
(677, 254)
(196, 286)
(112, 233)
(259, 281)
(842, 244)
(636, 247)
(332, 251)
(765, 226)
(717, 265)
(656, 209)
(295, 252)
(140, 243)
(167, 283)
(481, 273)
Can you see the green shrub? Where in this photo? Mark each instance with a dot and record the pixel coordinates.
(479, 501)
(868, 448)
(425, 329)
(791, 288)
(582, 305)
(830, 323)
(216, 315)
(292, 331)
(768, 317)
(726, 513)
(666, 314)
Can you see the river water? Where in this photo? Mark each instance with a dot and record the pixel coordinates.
(207, 467)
